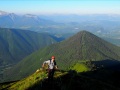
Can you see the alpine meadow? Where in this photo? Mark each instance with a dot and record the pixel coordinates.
(59, 45)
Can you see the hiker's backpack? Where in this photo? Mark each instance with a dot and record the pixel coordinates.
(54, 62)
(50, 62)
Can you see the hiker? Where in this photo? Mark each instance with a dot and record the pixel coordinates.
(51, 67)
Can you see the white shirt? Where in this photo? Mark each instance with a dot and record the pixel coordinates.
(50, 63)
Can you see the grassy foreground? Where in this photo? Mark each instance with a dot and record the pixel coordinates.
(38, 77)
(75, 79)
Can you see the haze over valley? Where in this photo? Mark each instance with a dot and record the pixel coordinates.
(83, 35)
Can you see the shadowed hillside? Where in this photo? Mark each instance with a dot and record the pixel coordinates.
(17, 44)
(65, 80)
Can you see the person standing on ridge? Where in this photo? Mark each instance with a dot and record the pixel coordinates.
(51, 67)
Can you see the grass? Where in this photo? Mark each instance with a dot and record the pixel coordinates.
(79, 77)
(80, 67)
(26, 82)
(30, 81)
(39, 76)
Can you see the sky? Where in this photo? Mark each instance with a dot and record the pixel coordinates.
(61, 6)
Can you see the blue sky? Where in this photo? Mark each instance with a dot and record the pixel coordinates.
(61, 6)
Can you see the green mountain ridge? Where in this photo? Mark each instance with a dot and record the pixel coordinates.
(17, 44)
(84, 46)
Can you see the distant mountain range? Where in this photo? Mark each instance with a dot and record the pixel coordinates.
(16, 44)
(11, 20)
(97, 23)
(84, 46)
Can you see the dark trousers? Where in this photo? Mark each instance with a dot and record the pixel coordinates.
(50, 74)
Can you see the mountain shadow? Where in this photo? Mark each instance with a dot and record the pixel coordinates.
(73, 81)
(109, 64)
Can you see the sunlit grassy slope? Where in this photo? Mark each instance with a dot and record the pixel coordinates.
(75, 79)
(79, 67)
(31, 80)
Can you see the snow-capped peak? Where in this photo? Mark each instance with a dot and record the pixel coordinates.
(31, 16)
(35, 17)
(3, 13)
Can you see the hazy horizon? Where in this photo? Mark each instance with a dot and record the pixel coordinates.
(63, 7)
